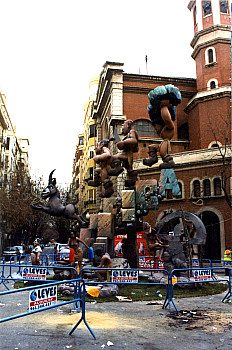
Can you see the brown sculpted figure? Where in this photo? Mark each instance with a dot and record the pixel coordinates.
(128, 145)
(162, 112)
(104, 170)
(154, 243)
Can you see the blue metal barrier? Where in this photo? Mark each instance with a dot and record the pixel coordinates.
(81, 285)
(166, 285)
(173, 272)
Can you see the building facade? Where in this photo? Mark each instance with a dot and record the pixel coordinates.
(14, 154)
(201, 145)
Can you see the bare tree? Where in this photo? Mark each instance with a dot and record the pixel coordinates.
(16, 195)
(221, 133)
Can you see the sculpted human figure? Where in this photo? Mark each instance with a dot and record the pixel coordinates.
(128, 145)
(162, 112)
(154, 243)
(104, 170)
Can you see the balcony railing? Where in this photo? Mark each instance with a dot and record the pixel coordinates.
(90, 201)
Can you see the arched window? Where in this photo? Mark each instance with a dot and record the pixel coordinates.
(215, 144)
(210, 55)
(212, 84)
(206, 188)
(144, 127)
(181, 189)
(217, 186)
(196, 188)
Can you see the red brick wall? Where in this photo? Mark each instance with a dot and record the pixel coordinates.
(221, 71)
(207, 21)
(213, 115)
(187, 204)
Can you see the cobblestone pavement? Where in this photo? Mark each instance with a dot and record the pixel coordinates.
(119, 326)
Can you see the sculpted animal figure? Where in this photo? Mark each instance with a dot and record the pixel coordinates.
(54, 205)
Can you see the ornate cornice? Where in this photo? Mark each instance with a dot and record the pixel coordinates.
(158, 79)
(203, 158)
(208, 95)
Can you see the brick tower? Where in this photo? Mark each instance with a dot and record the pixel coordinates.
(211, 44)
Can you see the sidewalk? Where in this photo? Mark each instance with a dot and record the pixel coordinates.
(123, 326)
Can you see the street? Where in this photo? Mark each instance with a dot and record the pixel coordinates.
(119, 326)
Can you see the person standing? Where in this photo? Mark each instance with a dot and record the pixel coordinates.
(36, 252)
(227, 260)
(106, 262)
(74, 243)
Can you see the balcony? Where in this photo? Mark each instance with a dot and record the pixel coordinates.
(90, 201)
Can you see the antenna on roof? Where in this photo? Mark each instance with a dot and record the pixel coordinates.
(146, 59)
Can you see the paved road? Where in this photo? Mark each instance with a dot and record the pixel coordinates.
(128, 326)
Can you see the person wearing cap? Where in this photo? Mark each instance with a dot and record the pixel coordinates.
(227, 257)
(36, 252)
(227, 254)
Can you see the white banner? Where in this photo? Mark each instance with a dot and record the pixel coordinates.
(125, 276)
(203, 275)
(34, 273)
(42, 297)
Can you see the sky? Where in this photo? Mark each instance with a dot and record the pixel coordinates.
(51, 49)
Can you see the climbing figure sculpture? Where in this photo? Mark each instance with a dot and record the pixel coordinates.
(103, 172)
(128, 145)
(162, 112)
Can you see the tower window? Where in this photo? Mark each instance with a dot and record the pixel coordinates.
(195, 16)
(207, 9)
(210, 55)
(224, 6)
(212, 85)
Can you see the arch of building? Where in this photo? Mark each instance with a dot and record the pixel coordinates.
(214, 144)
(214, 82)
(220, 221)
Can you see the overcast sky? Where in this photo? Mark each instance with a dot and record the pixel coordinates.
(50, 50)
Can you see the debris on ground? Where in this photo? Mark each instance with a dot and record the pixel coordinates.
(121, 298)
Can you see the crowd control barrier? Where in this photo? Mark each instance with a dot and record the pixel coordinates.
(126, 275)
(114, 276)
(37, 304)
(200, 275)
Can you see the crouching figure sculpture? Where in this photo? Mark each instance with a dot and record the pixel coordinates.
(54, 205)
